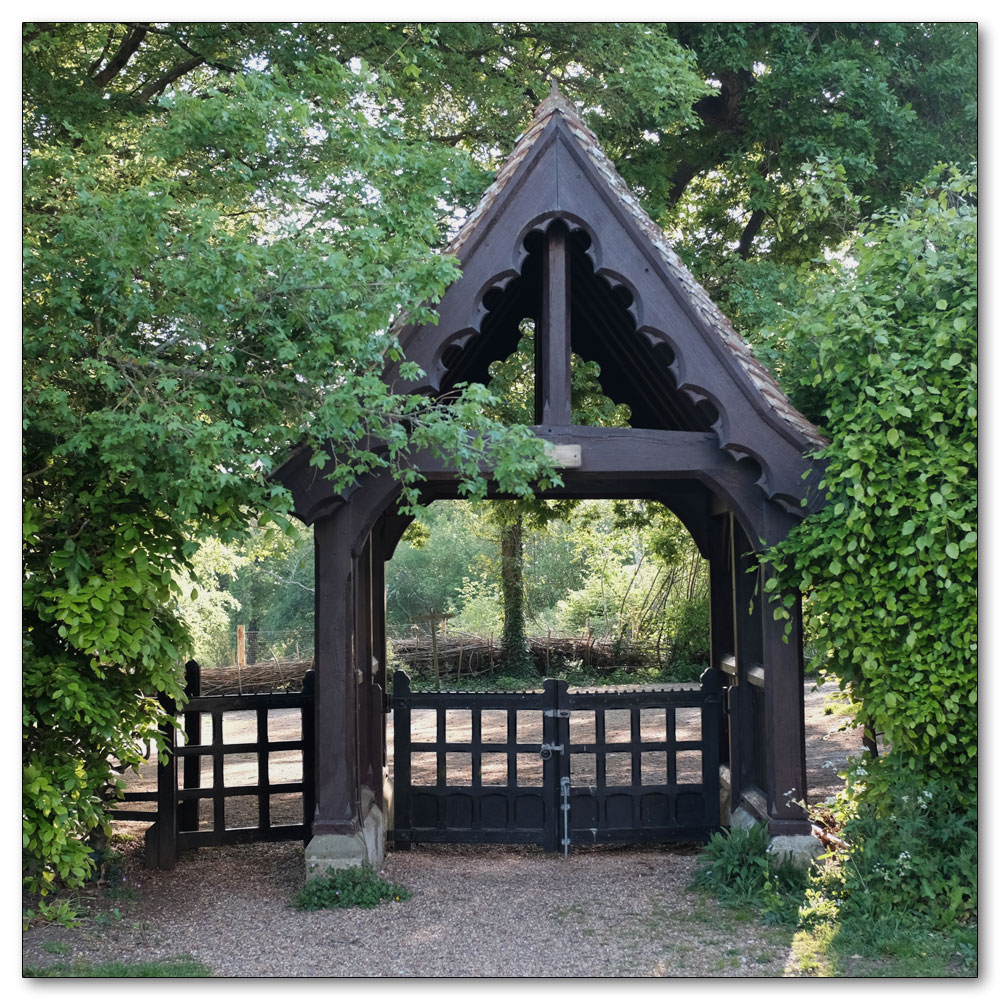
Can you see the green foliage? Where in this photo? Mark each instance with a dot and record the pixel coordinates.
(808, 128)
(737, 867)
(911, 859)
(341, 888)
(182, 967)
(213, 248)
(887, 355)
(60, 911)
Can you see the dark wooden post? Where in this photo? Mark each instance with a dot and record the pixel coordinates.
(161, 838)
(720, 586)
(368, 754)
(377, 708)
(784, 719)
(551, 767)
(263, 771)
(402, 820)
(309, 753)
(746, 626)
(711, 712)
(337, 789)
(188, 819)
(553, 405)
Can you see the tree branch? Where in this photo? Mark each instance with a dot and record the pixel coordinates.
(158, 86)
(95, 65)
(125, 52)
(751, 230)
(190, 51)
(683, 176)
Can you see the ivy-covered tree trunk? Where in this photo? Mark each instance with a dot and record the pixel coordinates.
(514, 650)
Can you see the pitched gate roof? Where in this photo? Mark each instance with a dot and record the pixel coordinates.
(662, 344)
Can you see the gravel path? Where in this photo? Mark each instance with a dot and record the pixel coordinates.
(475, 911)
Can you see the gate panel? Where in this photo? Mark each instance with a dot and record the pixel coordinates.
(650, 771)
(176, 826)
(632, 767)
(440, 792)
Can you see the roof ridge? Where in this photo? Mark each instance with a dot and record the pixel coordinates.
(557, 101)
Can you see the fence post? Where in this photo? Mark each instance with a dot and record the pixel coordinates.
(308, 753)
(161, 838)
(711, 718)
(188, 818)
(402, 820)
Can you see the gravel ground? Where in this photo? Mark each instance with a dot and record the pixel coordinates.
(475, 911)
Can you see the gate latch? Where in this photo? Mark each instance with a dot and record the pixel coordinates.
(556, 713)
(546, 750)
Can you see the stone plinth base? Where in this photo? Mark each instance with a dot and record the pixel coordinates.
(349, 850)
(798, 848)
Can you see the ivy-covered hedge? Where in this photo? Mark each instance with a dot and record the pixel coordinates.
(884, 356)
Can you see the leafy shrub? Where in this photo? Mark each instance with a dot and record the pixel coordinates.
(737, 868)
(912, 856)
(51, 912)
(340, 888)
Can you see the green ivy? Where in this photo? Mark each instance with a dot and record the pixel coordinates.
(889, 566)
(886, 357)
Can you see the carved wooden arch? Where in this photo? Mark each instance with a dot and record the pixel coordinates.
(556, 181)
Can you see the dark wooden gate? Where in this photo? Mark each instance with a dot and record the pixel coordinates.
(176, 822)
(556, 767)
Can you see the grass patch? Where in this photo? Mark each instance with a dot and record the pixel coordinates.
(183, 967)
(843, 949)
(340, 888)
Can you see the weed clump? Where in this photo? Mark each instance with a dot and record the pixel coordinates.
(340, 888)
(739, 870)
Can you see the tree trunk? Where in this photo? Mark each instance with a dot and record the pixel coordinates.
(514, 651)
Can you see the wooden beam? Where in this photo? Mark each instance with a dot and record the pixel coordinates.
(337, 791)
(552, 342)
(784, 718)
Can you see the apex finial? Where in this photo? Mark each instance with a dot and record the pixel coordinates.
(556, 101)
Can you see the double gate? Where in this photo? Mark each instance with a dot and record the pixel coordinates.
(556, 767)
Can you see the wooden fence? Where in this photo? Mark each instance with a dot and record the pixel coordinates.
(176, 824)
